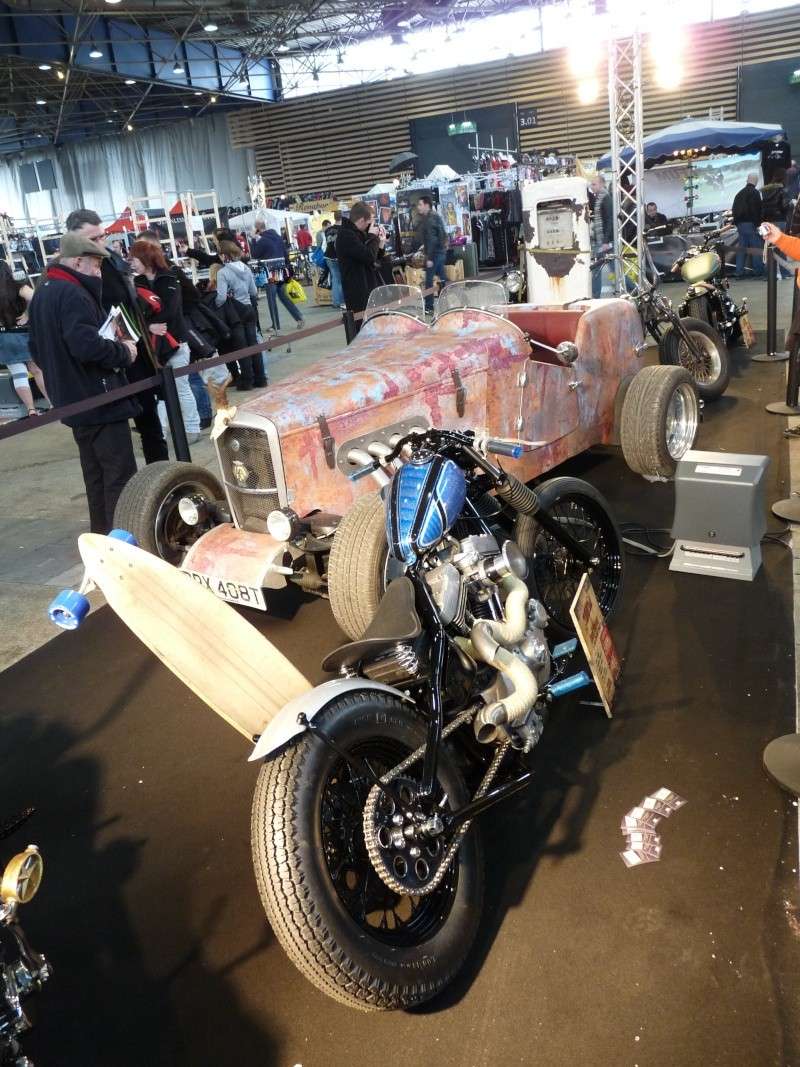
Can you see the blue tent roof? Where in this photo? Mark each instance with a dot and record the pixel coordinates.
(707, 135)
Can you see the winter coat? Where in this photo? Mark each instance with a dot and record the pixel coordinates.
(357, 254)
(269, 245)
(227, 313)
(774, 203)
(602, 230)
(77, 363)
(168, 290)
(747, 205)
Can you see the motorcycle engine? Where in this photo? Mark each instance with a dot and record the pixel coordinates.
(466, 586)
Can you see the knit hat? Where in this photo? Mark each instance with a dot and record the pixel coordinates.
(74, 245)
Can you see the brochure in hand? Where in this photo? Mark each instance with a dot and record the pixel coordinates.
(119, 326)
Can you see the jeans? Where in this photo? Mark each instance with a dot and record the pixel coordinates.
(288, 303)
(436, 270)
(272, 304)
(200, 395)
(108, 464)
(749, 238)
(191, 419)
(337, 293)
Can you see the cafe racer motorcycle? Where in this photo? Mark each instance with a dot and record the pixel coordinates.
(366, 855)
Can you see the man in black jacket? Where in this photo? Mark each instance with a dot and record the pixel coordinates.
(119, 290)
(432, 237)
(359, 246)
(747, 219)
(65, 318)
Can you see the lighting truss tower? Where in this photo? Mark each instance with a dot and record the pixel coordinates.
(625, 114)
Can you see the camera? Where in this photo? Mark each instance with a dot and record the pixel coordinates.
(763, 231)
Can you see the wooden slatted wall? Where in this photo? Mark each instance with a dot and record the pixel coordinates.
(343, 140)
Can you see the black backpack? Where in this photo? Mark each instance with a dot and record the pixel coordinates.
(773, 203)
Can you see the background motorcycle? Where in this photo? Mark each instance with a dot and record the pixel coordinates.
(682, 342)
(22, 971)
(708, 297)
(365, 860)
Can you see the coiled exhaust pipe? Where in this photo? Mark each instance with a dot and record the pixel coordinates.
(490, 642)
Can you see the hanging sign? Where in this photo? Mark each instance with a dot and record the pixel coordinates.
(527, 117)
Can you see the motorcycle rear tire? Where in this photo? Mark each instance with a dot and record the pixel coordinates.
(578, 503)
(712, 382)
(295, 839)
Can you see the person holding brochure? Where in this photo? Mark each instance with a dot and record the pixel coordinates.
(66, 315)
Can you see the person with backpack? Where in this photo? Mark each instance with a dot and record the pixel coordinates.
(432, 237)
(235, 281)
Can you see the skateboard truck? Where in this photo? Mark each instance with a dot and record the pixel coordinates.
(71, 606)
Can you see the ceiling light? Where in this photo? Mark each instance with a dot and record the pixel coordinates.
(213, 99)
(588, 90)
(109, 120)
(198, 93)
(95, 54)
(60, 75)
(112, 1)
(129, 128)
(211, 27)
(185, 106)
(41, 103)
(130, 81)
(177, 69)
(45, 66)
(282, 48)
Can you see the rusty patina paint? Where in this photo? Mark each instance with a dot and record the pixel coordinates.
(398, 368)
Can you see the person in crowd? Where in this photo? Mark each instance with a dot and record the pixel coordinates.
(119, 290)
(15, 350)
(653, 218)
(746, 212)
(792, 181)
(602, 229)
(775, 206)
(233, 338)
(330, 233)
(274, 253)
(190, 297)
(167, 326)
(236, 280)
(221, 235)
(66, 314)
(303, 238)
(431, 236)
(790, 246)
(321, 241)
(359, 246)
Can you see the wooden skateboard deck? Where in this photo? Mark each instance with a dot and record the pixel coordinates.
(204, 641)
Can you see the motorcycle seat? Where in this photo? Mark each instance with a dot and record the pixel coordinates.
(396, 621)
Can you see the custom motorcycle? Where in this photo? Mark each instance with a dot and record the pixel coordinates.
(708, 298)
(682, 342)
(22, 970)
(367, 858)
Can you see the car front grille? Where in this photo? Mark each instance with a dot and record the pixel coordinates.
(249, 473)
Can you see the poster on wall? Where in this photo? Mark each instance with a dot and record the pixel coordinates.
(406, 205)
(717, 180)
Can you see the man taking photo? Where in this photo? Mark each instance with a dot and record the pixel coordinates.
(65, 318)
(359, 246)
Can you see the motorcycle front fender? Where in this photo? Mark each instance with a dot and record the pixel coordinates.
(284, 726)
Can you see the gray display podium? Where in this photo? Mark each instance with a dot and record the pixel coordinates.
(720, 514)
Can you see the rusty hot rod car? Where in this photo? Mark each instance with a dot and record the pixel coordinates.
(559, 380)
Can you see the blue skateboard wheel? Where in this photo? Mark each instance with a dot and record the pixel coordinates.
(69, 609)
(124, 535)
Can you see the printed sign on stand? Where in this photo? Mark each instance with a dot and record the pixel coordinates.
(596, 642)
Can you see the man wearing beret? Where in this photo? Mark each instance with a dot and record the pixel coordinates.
(66, 315)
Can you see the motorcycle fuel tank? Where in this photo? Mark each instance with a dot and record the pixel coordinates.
(426, 497)
(699, 268)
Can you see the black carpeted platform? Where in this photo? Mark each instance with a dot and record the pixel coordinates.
(149, 908)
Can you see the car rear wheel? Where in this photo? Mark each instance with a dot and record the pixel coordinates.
(148, 507)
(660, 417)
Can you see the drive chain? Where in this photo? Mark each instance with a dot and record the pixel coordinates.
(370, 808)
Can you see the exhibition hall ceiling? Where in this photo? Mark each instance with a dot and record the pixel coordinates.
(70, 70)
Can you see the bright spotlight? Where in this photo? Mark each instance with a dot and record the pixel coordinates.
(95, 54)
(588, 90)
(584, 56)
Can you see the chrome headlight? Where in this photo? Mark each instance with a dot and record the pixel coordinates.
(22, 877)
(283, 524)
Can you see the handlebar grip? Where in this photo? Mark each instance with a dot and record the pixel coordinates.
(512, 449)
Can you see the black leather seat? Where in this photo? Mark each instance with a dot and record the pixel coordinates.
(395, 621)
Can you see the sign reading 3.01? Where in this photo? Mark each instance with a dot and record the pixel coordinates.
(527, 117)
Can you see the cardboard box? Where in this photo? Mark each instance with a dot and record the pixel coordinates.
(455, 273)
(322, 297)
(415, 277)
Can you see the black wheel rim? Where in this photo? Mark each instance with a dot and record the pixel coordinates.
(557, 573)
(173, 536)
(401, 921)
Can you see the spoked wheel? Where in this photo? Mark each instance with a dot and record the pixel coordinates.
(354, 937)
(709, 364)
(554, 572)
(148, 507)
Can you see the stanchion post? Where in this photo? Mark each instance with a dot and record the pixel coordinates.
(175, 416)
(349, 324)
(772, 355)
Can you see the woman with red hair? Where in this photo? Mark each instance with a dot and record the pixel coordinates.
(167, 326)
